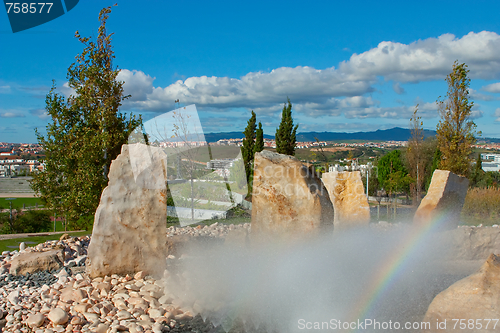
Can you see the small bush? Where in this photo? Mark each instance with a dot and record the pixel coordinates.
(83, 223)
(30, 221)
(482, 205)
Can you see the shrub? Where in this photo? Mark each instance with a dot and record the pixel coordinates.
(482, 205)
(30, 221)
(83, 223)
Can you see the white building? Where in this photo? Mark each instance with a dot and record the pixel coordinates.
(16, 166)
(490, 162)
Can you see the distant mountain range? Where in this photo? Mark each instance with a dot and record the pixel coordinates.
(393, 134)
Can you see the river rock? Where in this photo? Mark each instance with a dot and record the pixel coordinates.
(35, 320)
(129, 233)
(32, 262)
(58, 316)
(443, 202)
(473, 298)
(346, 192)
(289, 200)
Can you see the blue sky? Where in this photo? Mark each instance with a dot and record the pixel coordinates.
(347, 67)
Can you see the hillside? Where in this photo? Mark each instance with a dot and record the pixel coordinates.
(393, 134)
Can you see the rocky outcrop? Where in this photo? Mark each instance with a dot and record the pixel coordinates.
(443, 203)
(289, 200)
(472, 243)
(129, 233)
(349, 200)
(33, 262)
(472, 300)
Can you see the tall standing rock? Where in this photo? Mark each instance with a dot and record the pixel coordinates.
(288, 200)
(444, 201)
(472, 300)
(129, 233)
(346, 191)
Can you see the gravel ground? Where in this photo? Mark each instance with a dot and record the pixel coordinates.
(67, 300)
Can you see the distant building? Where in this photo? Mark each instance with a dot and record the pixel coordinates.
(491, 162)
(221, 166)
(13, 167)
(337, 168)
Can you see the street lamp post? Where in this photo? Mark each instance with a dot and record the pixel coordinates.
(10, 204)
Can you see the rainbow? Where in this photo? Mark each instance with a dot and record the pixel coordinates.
(394, 267)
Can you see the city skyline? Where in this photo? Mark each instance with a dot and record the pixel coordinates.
(345, 67)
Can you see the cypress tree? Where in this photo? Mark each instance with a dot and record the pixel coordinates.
(248, 145)
(259, 141)
(286, 132)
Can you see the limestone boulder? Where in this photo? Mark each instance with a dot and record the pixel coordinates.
(472, 299)
(472, 243)
(289, 200)
(32, 262)
(129, 233)
(443, 203)
(347, 194)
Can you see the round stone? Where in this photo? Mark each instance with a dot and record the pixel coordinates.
(58, 316)
(35, 320)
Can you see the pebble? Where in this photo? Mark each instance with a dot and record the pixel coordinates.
(35, 320)
(58, 316)
(67, 300)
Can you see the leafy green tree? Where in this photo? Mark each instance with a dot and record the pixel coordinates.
(286, 132)
(259, 139)
(477, 175)
(398, 181)
(86, 132)
(248, 150)
(455, 130)
(389, 165)
(434, 165)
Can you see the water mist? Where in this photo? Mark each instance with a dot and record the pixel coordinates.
(351, 276)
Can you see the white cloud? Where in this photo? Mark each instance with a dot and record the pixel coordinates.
(5, 89)
(40, 113)
(137, 84)
(256, 89)
(497, 114)
(66, 90)
(425, 110)
(428, 59)
(331, 91)
(474, 95)
(10, 114)
(493, 88)
(398, 89)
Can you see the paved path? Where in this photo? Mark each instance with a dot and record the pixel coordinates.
(12, 236)
(17, 195)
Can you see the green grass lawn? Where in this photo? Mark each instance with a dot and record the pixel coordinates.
(13, 244)
(18, 202)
